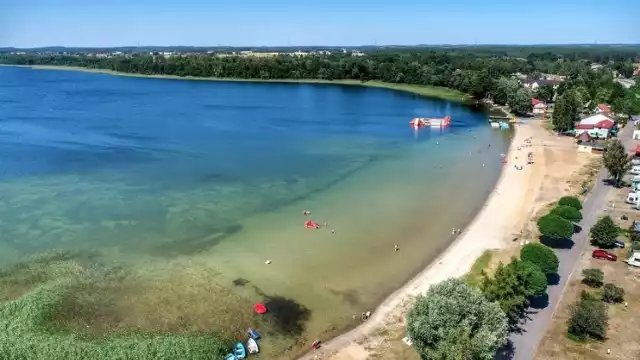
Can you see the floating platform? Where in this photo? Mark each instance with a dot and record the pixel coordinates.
(431, 122)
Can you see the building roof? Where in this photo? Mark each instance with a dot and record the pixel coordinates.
(596, 118)
(541, 82)
(604, 108)
(584, 137)
(604, 124)
(535, 102)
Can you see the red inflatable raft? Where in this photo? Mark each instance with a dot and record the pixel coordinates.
(311, 225)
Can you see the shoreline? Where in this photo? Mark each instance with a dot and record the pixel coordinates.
(483, 232)
(415, 283)
(433, 92)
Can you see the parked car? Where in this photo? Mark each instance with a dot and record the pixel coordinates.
(619, 244)
(604, 255)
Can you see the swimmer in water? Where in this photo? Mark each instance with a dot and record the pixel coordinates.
(306, 212)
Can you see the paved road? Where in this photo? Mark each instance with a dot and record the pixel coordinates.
(525, 343)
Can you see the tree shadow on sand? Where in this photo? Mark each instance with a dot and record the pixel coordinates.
(557, 243)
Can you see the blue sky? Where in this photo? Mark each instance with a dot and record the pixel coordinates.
(328, 22)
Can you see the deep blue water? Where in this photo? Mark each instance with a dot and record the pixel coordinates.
(91, 158)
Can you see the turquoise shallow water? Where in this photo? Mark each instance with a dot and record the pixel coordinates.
(150, 170)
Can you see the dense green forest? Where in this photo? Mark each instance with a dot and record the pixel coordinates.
(482, 72)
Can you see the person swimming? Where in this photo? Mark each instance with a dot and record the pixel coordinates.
(306, 212)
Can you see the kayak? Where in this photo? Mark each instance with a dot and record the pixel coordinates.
(239, 351)
(254, 334)
(252, 346)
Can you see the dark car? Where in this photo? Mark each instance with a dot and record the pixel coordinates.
(619, 244)
(603, 254)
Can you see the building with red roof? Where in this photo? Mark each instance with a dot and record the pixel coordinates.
(538, 106)
(602, 108)
(598, 126)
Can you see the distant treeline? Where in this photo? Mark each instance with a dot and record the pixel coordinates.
(464, 71)
(591, 52)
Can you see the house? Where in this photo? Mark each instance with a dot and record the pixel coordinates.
(539, 107)
(533, 84)
(596, 67)
(602, 108)
(588, 144)
(598, 126)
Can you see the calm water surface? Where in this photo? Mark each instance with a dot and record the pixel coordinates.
(150, 171)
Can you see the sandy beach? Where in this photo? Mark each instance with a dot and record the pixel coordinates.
(518, 195)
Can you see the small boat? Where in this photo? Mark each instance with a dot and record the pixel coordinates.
(254, 334)
(252, 346)
(230, 357)
(239, 351)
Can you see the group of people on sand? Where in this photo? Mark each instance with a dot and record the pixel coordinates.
(527, 144)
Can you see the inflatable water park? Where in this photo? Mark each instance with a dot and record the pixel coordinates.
(417, 123)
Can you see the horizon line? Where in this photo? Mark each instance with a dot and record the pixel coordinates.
(319, 46)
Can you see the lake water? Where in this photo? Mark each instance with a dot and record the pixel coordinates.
(158, 174)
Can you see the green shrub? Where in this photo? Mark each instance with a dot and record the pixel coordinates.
(593, 277)
(567, 212)
(572, 201)
(612, 293)
(604, 233)
(555, 227)
(588, 319)
(542, 256)
(512, 285)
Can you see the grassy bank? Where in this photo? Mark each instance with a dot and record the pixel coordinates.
(64, 305)
(421, 90)
(474, 276)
